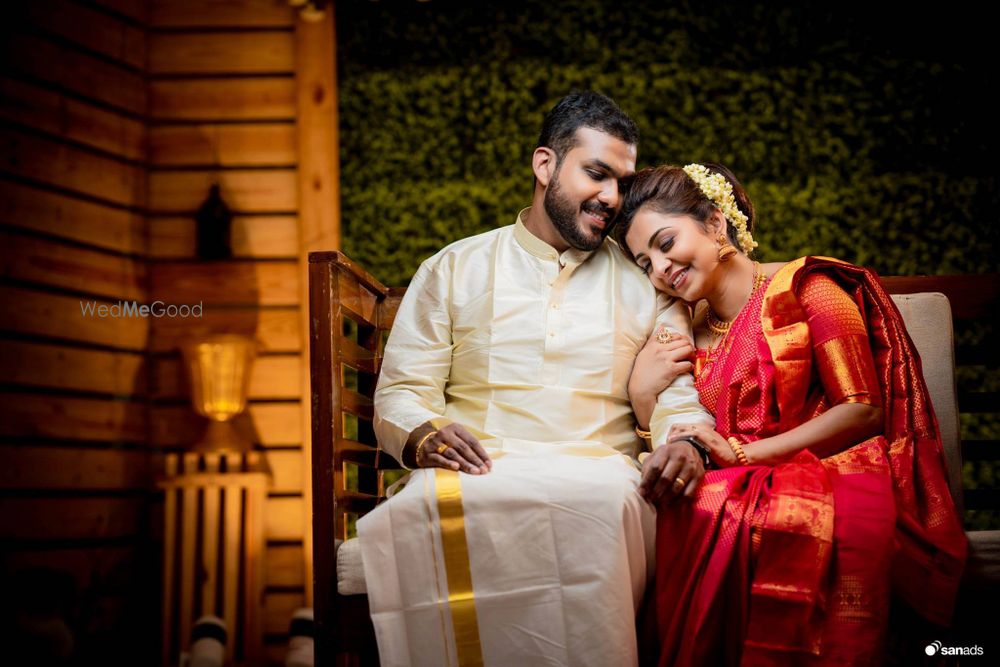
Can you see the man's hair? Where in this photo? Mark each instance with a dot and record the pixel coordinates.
(584, 109)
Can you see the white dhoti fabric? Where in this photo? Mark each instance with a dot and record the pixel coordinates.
(559, 547)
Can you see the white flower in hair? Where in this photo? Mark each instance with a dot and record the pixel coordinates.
(720, 192)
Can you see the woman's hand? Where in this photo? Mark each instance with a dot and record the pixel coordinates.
(664, 356)
(719, 451)
(453, 448)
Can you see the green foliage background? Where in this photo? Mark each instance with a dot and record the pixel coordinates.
(860, 133)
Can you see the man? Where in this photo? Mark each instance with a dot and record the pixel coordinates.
(522, 540)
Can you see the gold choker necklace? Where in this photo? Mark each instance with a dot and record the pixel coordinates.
(719, 326)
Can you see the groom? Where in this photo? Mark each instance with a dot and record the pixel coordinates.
(521, 538)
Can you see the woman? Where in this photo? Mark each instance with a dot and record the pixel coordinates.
(831, 491)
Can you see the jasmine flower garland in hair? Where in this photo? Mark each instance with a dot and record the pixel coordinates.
(720, 192)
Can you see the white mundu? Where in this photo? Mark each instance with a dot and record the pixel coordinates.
(543, 560)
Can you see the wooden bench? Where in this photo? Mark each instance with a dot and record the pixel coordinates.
(350, 315)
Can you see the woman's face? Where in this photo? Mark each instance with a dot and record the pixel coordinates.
(676, 253)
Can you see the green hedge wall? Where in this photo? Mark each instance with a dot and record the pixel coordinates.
(860, 135)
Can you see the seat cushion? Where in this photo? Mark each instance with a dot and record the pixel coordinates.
(350, 571)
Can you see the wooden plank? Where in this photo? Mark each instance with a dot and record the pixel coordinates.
(257, 52)
(284, 518)
(276, 329)
(64, 166)
(278, 610)
(233, 282)
(271, 377)
(286, 470)
(211, 522)
(319, 187)
(137, 10)
(210, 145)
(254, 577)
(253, 98)
(188, 544)
(284, 566)
(357, 300)
(113, 568)
(31, 259)
(274, 424)
(76, 468)
(52, 112)
(271, 236)
(233, 503)
(70, 518)
(92, 29)
(78, 369)
(224, 13)
(73, 70)
(32, 312)
(170, 512)
(77, 419)
(244, 191)
(66, 216)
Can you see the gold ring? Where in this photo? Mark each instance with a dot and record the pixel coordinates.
(666, 336)
(679, 483)
(442, 448)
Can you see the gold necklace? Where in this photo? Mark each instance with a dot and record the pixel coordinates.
(719, 326)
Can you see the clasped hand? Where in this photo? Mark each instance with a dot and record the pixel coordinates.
(675, 468)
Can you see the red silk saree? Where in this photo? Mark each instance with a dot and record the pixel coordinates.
(796, 563)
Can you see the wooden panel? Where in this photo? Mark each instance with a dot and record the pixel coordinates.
(252, 98)
(90, 28)
(78, 72)
(273, 424)
(272, 377)
(276, 329)
(228, 13)
(136, 10)
(257, 190)
(32, 312)
(278, 610)
(113, 569)
(52, 112)
(34, 467)
(78, 369)
(65, 166)
(242, 145)
(286, 469)
(283, 566)
(65, 418)
(69, 518)
(251, 236)
(258, 52)
(284, 518)
(47, 262)
(234, 282)
(60, 215)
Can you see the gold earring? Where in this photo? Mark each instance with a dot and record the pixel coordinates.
(726, 249)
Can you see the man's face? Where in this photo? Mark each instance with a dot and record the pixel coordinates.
(583, 196)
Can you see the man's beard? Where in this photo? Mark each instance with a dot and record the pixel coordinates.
(563, 215)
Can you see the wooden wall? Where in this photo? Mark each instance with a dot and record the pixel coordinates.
(76, 468)
(115, 117)
(222, 107)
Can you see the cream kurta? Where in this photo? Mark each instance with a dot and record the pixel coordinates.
(531, 351)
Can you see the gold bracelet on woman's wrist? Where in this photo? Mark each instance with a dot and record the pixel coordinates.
(737, 448)
(420, 445)
(645, 435)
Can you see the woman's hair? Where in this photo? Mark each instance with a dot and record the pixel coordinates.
(669, 190)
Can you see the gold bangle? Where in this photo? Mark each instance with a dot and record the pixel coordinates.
(737, 448)
(645, 435)
(420, 445)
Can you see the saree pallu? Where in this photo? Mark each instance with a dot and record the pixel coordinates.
(542, 561)
(796, 563)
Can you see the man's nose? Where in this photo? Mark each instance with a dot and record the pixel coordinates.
(610, 194)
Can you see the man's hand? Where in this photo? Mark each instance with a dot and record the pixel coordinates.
(452, 447)
(673, 470)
